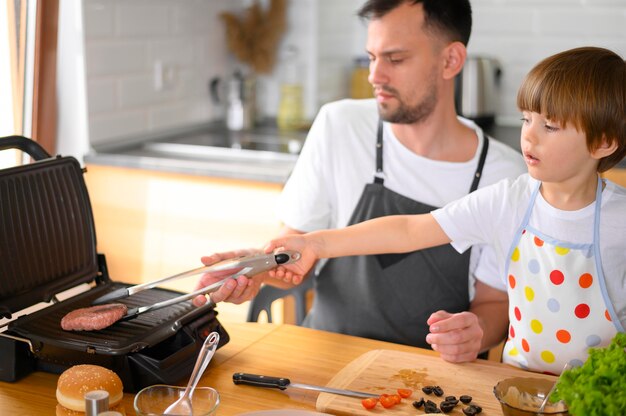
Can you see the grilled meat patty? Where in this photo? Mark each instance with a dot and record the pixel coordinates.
(93, 318)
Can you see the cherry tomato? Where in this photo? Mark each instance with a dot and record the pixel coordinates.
(369, 403)
(387, 400)
(404, 393)
(396, 398)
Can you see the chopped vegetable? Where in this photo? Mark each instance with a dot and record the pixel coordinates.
(387, 400)
(404, 393)
(369, 403)
(596, 388)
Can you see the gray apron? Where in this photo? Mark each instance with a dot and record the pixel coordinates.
(389, 297)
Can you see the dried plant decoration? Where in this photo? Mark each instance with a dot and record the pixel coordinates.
(253, 38)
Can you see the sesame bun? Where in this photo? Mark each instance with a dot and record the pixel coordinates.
(78, 380)
(62, 411)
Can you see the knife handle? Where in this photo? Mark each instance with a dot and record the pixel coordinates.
(261, 381)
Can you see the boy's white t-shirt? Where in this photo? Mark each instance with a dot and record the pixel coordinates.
(338, 160)
(494, 214)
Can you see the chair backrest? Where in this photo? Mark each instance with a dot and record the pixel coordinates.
(268, 294)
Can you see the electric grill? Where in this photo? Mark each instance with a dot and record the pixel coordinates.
(48, 246)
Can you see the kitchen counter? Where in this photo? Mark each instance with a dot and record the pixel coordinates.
(303, 355)
(506, 134)
(264, 154)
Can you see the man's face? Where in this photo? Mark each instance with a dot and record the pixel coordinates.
(403, 65)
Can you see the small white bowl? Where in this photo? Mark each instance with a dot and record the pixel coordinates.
(153, 400)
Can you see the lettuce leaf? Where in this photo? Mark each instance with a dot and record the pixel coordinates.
(598, 387)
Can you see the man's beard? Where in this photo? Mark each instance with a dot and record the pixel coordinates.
(406, 114)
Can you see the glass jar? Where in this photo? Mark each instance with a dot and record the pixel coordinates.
(359, 85)
(290, 109)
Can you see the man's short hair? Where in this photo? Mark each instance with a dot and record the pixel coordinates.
(449, 18)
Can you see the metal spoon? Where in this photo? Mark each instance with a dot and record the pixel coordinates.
(182, 406)
(566, 367)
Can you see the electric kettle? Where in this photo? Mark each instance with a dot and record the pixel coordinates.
(477, 88)
(238, 95)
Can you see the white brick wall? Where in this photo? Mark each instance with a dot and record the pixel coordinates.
(125, 38)
(519, 33)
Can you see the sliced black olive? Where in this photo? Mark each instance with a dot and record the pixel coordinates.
(419, 403)
(427, 389)
(469, 411)
(477, 408)
(446, 407)
(438, 391)
(465, 398)
(452, 401)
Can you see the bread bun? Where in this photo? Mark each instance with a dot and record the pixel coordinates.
(79, 380)
(63, 411)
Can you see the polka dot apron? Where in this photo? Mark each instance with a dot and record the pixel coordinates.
(558, 304)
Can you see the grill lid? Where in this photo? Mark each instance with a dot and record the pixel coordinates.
(47, 232)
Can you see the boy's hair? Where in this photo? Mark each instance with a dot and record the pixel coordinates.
(450, 18)
(586, 87)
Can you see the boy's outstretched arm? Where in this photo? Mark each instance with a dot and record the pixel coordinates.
(390, 234)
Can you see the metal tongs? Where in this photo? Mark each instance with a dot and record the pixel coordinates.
(244, 265)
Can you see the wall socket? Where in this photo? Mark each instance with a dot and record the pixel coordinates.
(165, 76)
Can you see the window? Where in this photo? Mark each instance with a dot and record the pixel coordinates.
(28, 34)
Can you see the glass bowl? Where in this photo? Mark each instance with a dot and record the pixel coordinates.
(522, 396)
(153, 400)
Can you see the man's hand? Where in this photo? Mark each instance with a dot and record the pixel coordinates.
(462, 336)
(457, 337)
(234, 290)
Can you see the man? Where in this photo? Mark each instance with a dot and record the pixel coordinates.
(419, 157)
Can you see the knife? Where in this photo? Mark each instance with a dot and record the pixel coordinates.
(282, 383)
(248, 265)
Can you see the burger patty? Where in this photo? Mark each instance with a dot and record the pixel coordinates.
(93, 318)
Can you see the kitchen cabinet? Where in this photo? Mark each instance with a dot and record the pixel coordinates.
(153, 224)
(617, 175)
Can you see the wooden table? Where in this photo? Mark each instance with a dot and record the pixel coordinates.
(301, 354)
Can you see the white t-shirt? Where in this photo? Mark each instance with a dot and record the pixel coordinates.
(339, 158)
(495, 213)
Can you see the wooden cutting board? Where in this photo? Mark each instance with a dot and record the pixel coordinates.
(384, 371)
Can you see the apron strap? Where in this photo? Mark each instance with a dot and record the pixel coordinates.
(378, 176)
(481, 164)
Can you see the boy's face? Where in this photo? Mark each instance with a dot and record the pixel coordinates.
(404, 65)
(554, 153)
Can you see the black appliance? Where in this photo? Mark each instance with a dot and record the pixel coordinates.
(47, 246)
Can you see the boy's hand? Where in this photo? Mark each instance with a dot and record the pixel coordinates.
(294, 272)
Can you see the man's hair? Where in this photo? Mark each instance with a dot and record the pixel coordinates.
(585, 87)
(449, 18)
